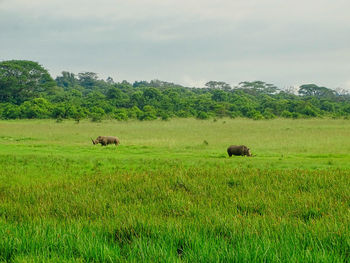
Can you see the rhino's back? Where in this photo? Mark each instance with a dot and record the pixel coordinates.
(112, 139)
(236, 149)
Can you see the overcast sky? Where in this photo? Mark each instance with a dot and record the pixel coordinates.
(184, 41)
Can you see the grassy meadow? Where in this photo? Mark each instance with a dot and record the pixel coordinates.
(170, 193)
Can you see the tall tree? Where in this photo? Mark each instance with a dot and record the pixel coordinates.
(87, 79)
(21, 80)
(258, 87)
(218, 85)
(314, 90)
(67, 80)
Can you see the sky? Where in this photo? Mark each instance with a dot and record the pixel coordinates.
(287, 43)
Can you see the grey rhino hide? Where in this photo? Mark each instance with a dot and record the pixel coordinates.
(105, 140)
(238, 150)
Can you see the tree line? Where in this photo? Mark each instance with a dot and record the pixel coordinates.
(28, 91)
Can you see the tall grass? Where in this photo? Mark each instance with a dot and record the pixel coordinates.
(164, 195)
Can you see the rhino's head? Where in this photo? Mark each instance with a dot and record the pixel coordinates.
(248, 152)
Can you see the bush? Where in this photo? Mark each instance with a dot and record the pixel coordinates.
(96, 117)
(121, 115)
(286, 114)
(77, 113)
(255, 115)
(202, 115)
(58, 110)
(310, 112)
(134, 113)
(234, 114)
(221, 111)
(10, 111)
(296, 115)
(268, 114)
(164, 116)
(97, 114)
(38, 108)
(149, 113)
(347, 109)
(182, 114)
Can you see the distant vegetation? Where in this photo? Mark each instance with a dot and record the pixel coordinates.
(28, 91)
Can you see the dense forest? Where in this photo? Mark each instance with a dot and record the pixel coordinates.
(28, 91)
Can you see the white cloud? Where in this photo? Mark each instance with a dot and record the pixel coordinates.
(187, 41)
(347, 85)
(190, 82)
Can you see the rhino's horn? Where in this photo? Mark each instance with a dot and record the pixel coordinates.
(93, 141)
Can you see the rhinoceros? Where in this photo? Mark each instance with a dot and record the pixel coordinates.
(238, 150)
(105, 140)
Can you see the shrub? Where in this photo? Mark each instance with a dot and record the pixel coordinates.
(10, 111)
(58, 110)
(149, 113)
(164, 116)
(96, 117)
(268, 114)
(182, 114)
(286, 114)
(234, 114)
(121, 115)
(310, 112)
(255, 115)
(202, 115)
(38, 108)
(296, 115)
(97, 114)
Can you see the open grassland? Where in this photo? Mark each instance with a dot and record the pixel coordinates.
(170, 193)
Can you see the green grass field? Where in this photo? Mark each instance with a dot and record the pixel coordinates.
(164, 195)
